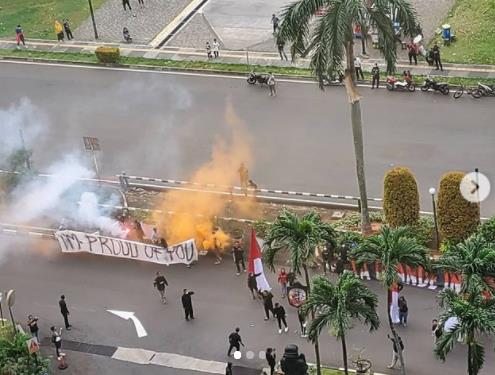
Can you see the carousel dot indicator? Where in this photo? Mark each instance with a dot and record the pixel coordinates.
(237, 354)
(250, 355)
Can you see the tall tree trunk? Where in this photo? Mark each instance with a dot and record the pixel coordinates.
(317, 345)
(470, 360)
(357, 134)
(394, 333)
(344, 352)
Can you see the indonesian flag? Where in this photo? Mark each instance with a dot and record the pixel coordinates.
(394, 306)
(255, 265)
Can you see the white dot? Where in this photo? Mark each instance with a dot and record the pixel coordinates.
(262, 354)
(237, 354)
(250, 355)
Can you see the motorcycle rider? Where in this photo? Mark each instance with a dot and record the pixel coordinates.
(407, 77)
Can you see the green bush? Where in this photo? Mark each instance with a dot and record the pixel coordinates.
(487, 231)
(457, 218)
(261, 227)
(16, 360)
(108, 55)
(352, 220)
(400, 198)
(423, 231)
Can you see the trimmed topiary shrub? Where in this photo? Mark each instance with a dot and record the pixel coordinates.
(457, 218)
(400, 198)
(108, 55)
(487, 231)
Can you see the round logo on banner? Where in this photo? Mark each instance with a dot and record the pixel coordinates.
(297, 295)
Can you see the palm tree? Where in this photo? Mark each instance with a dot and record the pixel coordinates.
(474, 260)
(329, 42)
(390, 248)
(475, 317)
(338, 304)
(299, 236)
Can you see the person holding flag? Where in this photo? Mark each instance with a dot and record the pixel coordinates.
(255, 265)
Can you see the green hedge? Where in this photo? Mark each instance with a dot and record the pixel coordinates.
(487, 231)
(400, 198)
(457, 218)
(108, 55)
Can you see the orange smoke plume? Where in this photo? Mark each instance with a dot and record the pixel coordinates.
(195, 211)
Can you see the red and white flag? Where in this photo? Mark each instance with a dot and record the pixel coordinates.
(255, 265)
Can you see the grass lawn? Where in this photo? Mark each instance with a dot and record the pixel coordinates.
(37, 17)
(473, 22)
(327, 371)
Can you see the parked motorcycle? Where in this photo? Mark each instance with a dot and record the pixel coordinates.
(395, 84)
(257, 78)
(430, 83)
(483, 90)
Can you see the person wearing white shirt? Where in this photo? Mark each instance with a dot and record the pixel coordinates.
(358, 68)
(215, 46)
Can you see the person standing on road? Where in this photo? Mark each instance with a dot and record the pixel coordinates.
(302, 322)
(228, 369)
(275, 21)
(64, 311)
(252, 284)
(125, 3)
(159, 283)
(403, 311)
(271, 356)
(375, 74)
(279, 313)
(59, 31)
(412, 53)
(283, 280)
(268, 304)
(243, 177)
(238, 254)
(56, 339)
(395, 353)
(358, 67)
(19, 36)
(281, 52)
(235, 341)
(436, 57)
(187, 304)
(208, 51)
(33, 327)
(216, 48)
(271, 84)
(67, 29)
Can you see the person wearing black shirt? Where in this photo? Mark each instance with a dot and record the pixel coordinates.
(375, 73)
(238, 253)
(228, 369)
(64, 311)
(271, 359)
(252, 284)
(187, 304)
(279, 313)
(160, 283)
(403, 311)
(268, 304)
(436, 57)
(33, 326)
(235, 341)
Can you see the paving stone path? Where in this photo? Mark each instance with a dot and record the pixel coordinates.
(143, 23)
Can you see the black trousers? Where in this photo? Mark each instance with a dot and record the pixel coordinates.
(126, 3)
(58, 345)
(438, 63)
(272, 368)
(238, 263)
(376, 80)
(69, 34)
(232, 346)
(412, 56)
(359, 72)
(189, 312)
(66, 320)
(267, 311)
(280, 320)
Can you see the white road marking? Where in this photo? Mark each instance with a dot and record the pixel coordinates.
(177, 361)
(141, 332)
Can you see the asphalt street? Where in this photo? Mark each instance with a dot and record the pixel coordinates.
(92, 284)
(164, 125)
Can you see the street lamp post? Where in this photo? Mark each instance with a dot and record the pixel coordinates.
(437, 236)
(93, 18)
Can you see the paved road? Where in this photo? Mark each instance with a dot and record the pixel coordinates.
(165, 125)
(93, 284)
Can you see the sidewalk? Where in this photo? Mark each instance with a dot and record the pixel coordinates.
(241, 57)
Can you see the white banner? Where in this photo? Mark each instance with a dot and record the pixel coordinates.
(76, 242)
